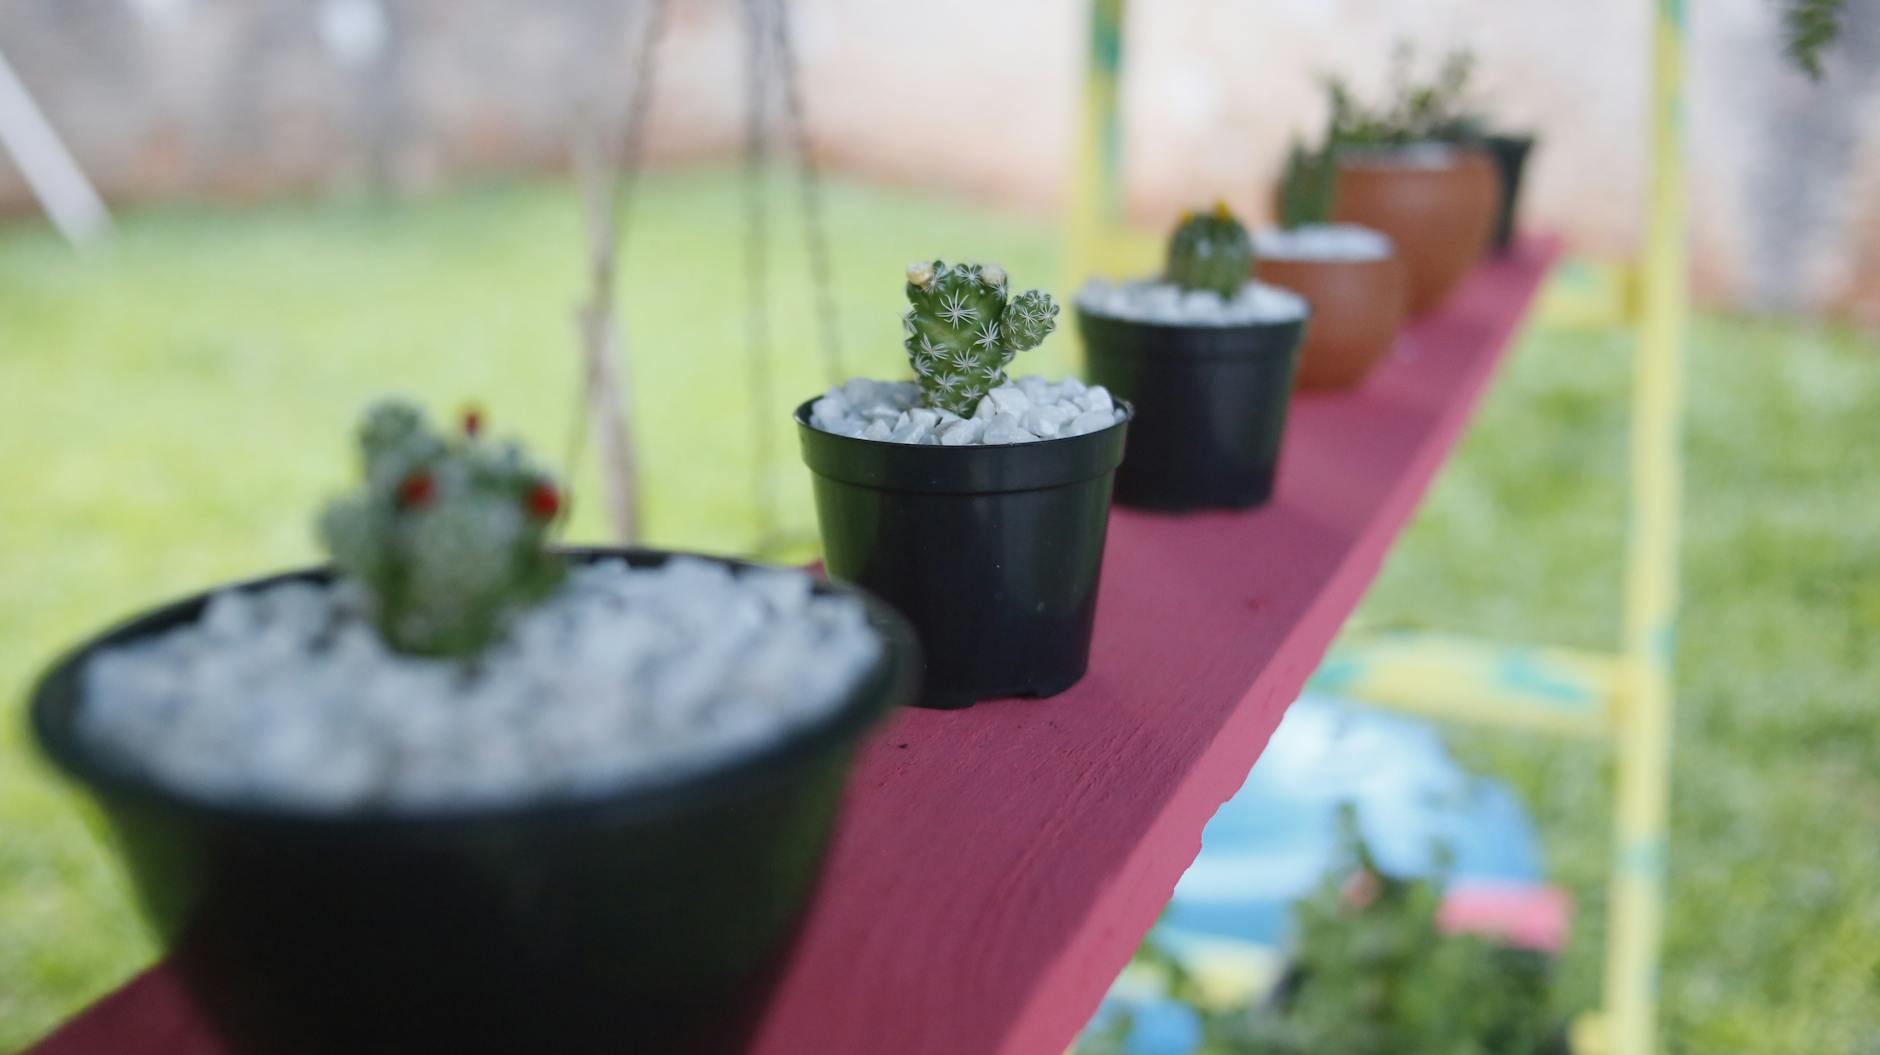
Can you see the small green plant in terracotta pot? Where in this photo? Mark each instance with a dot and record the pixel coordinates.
(1446, 112)
(1349, 275)
(1404, 170)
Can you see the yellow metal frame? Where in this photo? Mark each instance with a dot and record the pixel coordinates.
(1624, 697)
(1095, 207)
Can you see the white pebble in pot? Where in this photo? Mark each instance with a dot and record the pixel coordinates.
(1021, 411)
(962, 431)
(285, 693)
(1045, 421)
(1161, 303)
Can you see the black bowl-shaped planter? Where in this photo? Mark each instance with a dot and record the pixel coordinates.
(993, 553)
(1210, 407)
(1511, 156)
(650, 918)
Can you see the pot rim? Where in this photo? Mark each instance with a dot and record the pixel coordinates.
(1207, 342)
(802, 417)
(1319, 261)
(57, 695)
(1395, 158)
(1276, 230)
(972, 469)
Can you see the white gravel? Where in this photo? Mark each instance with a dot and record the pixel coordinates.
(1339, 242)
(1409, 155)
(1163, 303)
(1023, 411)
(286, 694)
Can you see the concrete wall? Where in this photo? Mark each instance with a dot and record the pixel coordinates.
(244, 98)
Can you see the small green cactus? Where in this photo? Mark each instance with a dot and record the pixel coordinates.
(1210, 251)
(1305, 191)
(445, 535)
(962, 330)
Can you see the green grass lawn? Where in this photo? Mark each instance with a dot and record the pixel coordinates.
(177, 402)
(1773, 932)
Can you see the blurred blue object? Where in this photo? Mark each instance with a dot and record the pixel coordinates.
(1158, 1027)
(1275, 839)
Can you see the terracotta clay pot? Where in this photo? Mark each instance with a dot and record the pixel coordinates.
(1440, 216)
(1357, 309)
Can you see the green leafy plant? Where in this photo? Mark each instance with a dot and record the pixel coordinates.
(1435, 110)
(1210, 250)
(1372, 973)
(445, 535)
(1432, 110)
(963, 330)
(1810, 27)
(1306, 187)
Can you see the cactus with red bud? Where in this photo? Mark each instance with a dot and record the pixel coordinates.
(446, 536)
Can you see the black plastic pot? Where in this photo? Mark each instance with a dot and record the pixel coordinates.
(1210, 407)
(993, 553)
(1511, 155)
(652, 918)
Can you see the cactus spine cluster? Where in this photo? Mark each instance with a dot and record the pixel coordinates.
(445, 535)
(963, 328)
(1210, 251)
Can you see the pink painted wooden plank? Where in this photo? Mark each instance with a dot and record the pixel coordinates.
(1518, 915)
(996, 866)
(151, 1015)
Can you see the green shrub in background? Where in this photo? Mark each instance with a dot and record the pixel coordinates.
(1372, 973)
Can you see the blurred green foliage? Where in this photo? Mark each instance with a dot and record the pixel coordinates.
(1812, 26)
(1417, 108)
(1306, 185)
(1370, 972)
(1772, 940)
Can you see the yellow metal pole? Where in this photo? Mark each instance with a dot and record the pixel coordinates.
(1564, 692)
(1643, 729)
(1096, 183)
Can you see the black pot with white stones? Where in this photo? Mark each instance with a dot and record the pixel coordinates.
(653, 913)
(993, 552)
(341, 863)
(1211, 379)
(974, 504)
